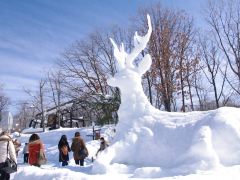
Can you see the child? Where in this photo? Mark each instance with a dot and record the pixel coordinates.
(17, 145)
(103, 145)
(25, 153)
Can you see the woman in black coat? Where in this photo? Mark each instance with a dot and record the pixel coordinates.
(63, 148)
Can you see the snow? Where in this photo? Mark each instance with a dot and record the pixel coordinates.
(148, 143)
(53, 170)
(31, 130)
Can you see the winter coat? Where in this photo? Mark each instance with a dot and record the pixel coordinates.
(63, 157)
(103, 145)
(4, 139)
(34, 149)
(77, 145)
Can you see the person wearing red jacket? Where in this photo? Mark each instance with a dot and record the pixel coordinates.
(35, 146)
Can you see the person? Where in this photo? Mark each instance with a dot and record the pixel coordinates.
(25, 153)
(79, 149)
(17, 145)
(35, 147)
(6, 150)
(63, 148)
(103, 145)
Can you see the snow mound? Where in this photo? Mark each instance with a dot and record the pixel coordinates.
(176, 143)
(47, 174)
(155, 143)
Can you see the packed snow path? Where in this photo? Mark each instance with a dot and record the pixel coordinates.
(53, 170)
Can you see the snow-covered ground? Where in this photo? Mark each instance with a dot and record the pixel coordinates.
(53, 170)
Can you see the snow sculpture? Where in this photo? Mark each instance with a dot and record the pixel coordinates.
(128, 79)
(160, 142)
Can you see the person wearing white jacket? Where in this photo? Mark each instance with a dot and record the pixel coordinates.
(4, 139)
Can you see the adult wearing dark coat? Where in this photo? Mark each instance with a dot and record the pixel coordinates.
(79, 149)
(63, 146)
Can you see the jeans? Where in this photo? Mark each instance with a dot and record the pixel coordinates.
(25, 158)
(81, 161)
(64, 163)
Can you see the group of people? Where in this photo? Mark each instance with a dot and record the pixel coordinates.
(10, 148)
(34, 151)
(78, 147)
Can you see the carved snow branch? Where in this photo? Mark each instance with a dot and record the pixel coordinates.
(140, 42)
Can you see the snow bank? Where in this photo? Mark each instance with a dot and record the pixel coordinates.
(72, 173)
(47, 174)
(176, 143)
(32, 130)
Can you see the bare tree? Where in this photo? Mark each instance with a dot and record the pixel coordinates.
(41, 100)
(201, 92)
(86, 64)
(26, 112)
(186, 61)
(38, 100)
(223, 16)
(82, 68)
(192, 68)
(211, 68)
(56, 82)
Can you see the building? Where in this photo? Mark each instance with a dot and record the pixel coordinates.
(79, 113)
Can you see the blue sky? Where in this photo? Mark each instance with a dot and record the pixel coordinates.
(33, 33)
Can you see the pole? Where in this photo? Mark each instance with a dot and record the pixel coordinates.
(93, 130)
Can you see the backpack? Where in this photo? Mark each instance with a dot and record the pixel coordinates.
(64, 150)
(83, 153)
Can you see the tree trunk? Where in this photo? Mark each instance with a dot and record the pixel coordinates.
(215, 92)
(149, 88)
(190, 94)
(182, 92)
